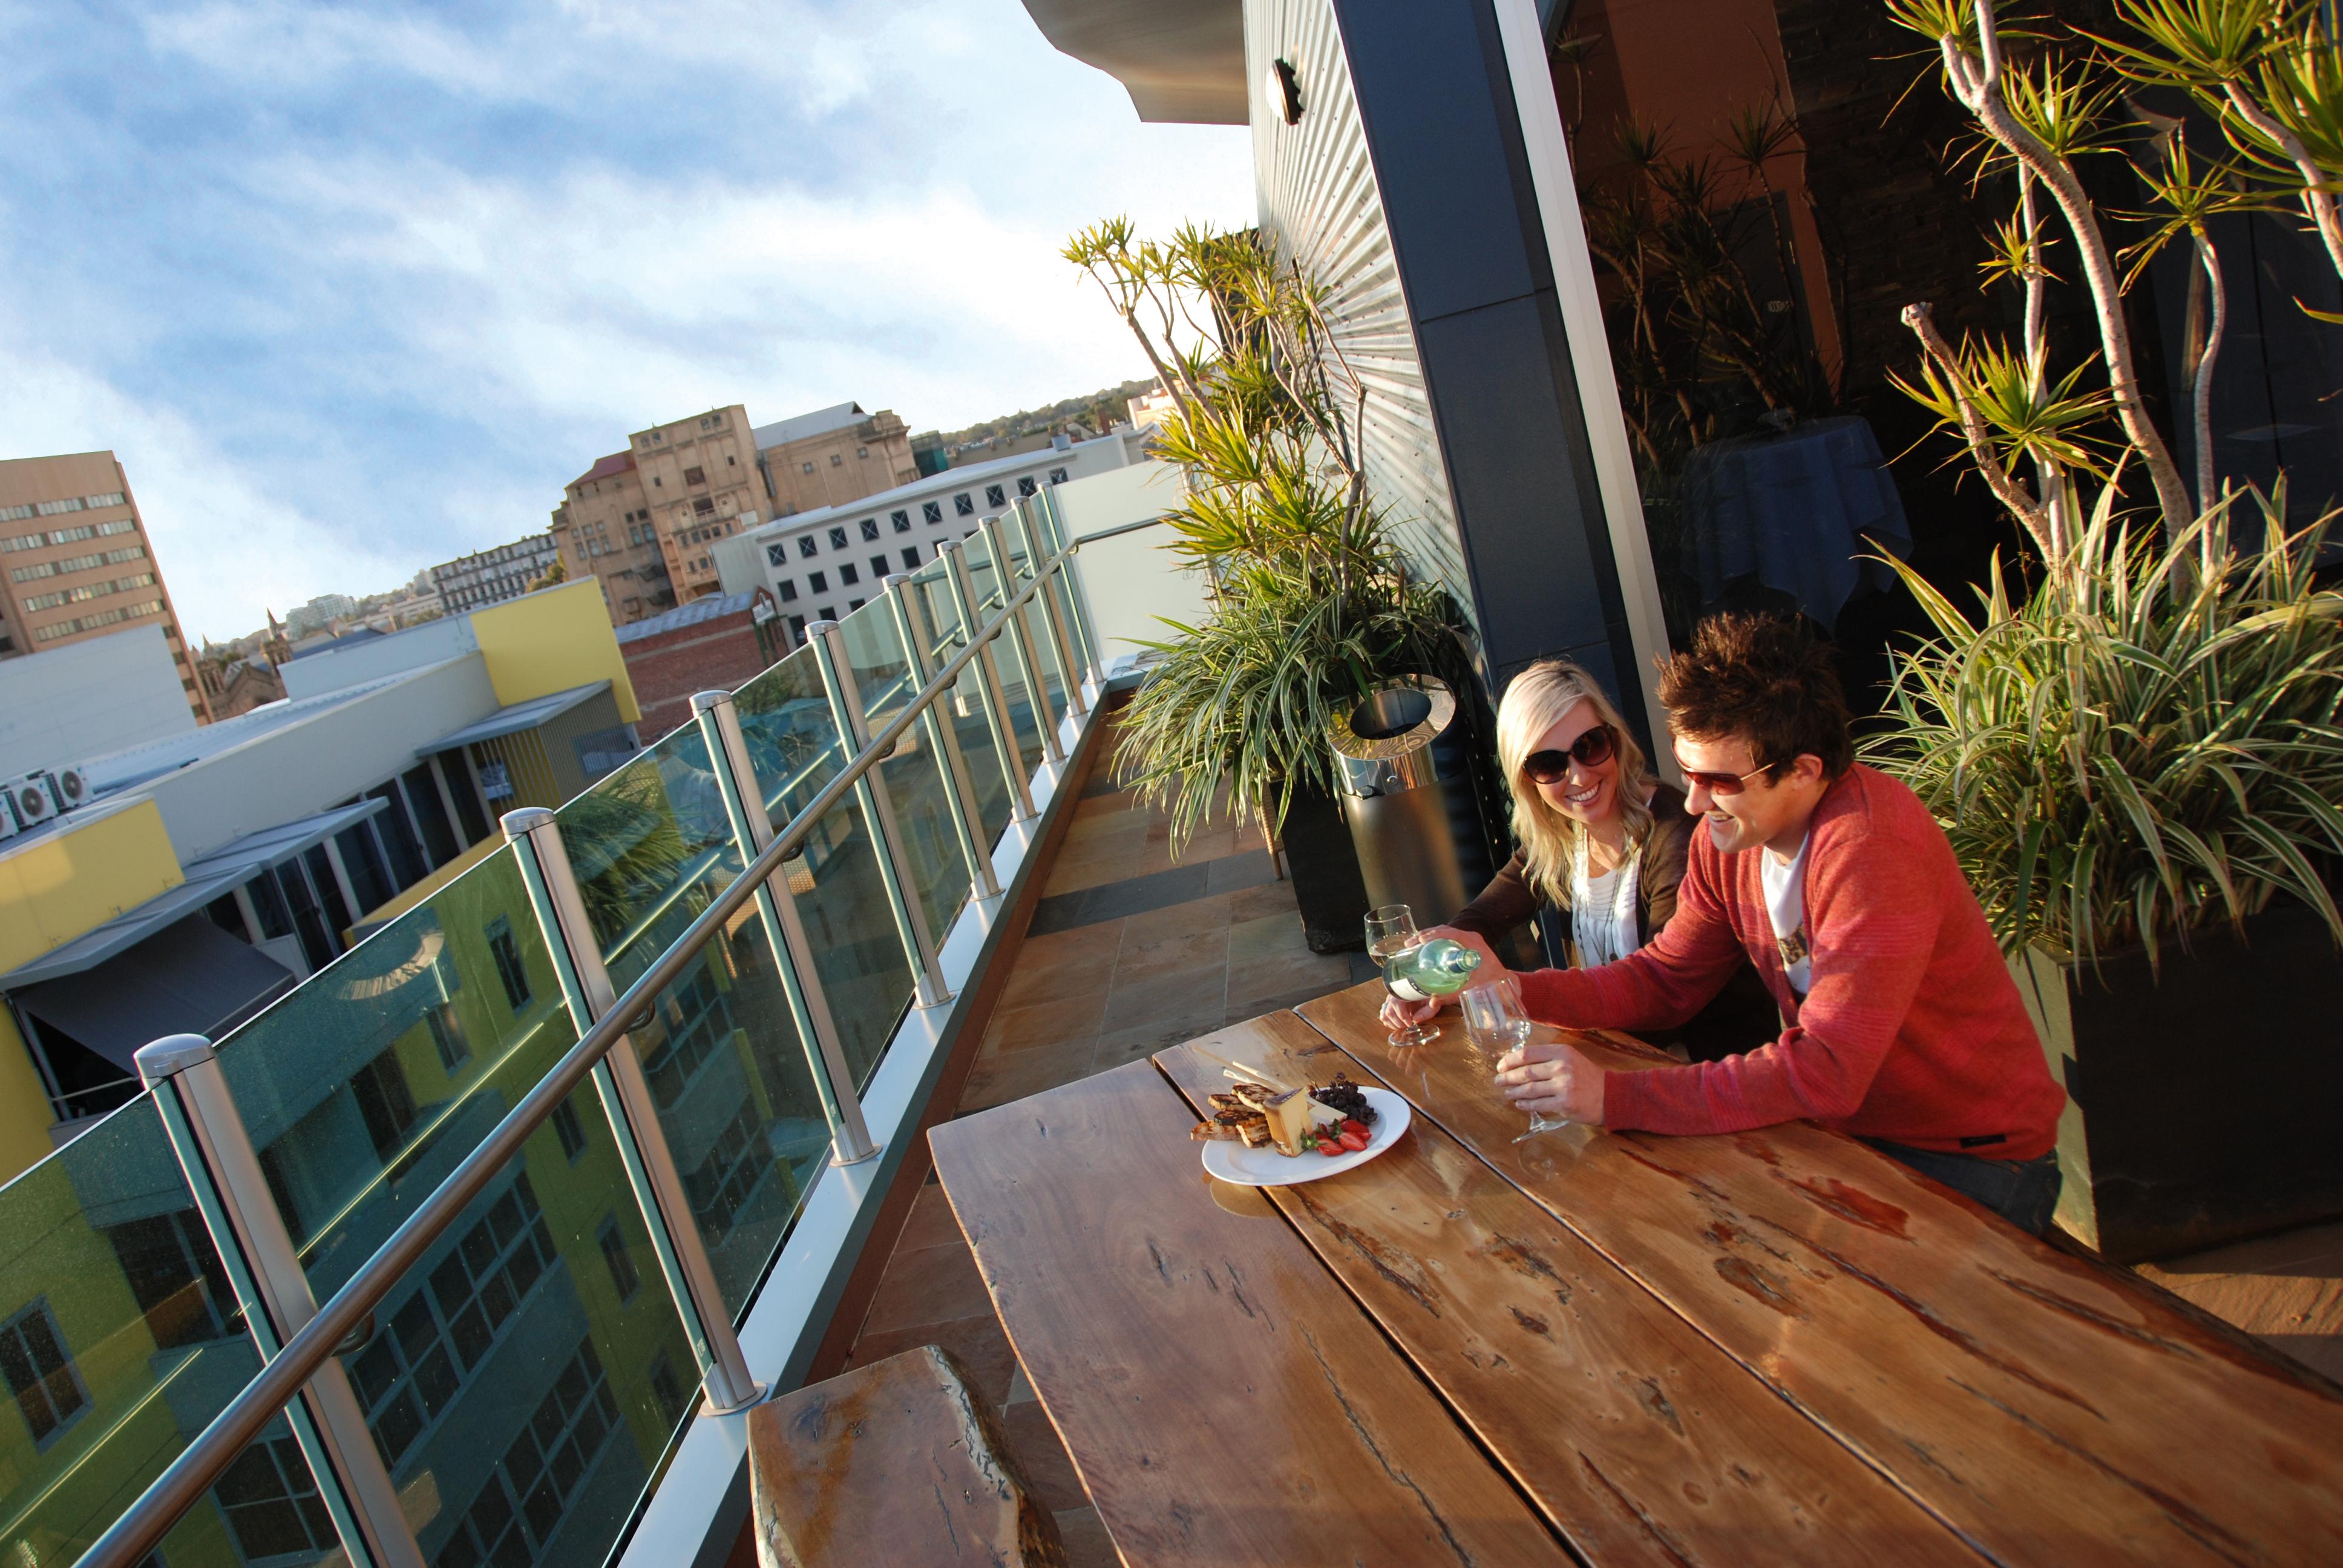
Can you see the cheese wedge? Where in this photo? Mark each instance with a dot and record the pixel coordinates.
(1289, 1120)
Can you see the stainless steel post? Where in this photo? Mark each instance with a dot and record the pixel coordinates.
(535, 837)
(1020, 646)
(264, 1268)
(777, 906)
(829, 641)
(1070, 677)
(968, 822)
(996, 701)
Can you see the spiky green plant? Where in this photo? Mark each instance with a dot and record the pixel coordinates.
(2154, 743)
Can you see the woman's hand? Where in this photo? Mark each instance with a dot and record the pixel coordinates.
(1555, 1079)
(1398, 1014)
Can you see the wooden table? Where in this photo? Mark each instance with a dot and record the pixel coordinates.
(1776, 1346)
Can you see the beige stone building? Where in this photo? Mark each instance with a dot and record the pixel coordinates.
(76, 562)
(643, 522)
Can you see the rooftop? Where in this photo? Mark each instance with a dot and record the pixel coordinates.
(604, 467)
(713, 607)
(820, 422)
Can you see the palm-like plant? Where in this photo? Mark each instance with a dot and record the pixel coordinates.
(2154, 747)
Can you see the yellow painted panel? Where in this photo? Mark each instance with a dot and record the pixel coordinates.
(68, 882)
(25, 1115)
(552, 640)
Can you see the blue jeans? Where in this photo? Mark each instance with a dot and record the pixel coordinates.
(2023, 1191)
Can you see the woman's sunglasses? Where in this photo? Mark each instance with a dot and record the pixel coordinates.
(1590, 750)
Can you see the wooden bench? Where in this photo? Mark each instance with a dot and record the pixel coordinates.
(895, 1462)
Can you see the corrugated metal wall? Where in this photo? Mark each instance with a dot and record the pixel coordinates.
(1318, 197)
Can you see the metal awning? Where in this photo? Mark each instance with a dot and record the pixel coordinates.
(208, 878)
(521, 716)
(189, 978)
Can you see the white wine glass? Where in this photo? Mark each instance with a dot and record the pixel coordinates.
(1391, 933)
(1498, 1023)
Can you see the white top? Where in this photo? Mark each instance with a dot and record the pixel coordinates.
(1785, 907)
(1602, 910)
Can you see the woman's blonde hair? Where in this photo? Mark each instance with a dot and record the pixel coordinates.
(1534, 702)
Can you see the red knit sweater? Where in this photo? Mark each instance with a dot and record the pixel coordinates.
(1912, 1030)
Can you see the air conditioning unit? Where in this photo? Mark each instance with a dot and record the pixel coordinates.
(29, 797)
(7, 821)
(72, 788)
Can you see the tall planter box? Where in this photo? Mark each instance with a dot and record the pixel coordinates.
(1325, 866)
(2204, 1104)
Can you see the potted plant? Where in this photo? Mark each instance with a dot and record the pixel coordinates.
(1312, 606)
(2140, 765)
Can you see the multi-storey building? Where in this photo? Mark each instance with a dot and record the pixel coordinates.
(642, 521)
(493, 576)
(76, 562)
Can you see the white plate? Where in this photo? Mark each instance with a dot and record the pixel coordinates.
(1265, 1167)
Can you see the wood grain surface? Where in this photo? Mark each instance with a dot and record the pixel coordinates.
(894, 1463)
(1224, 1400)
(2044, 1409)
(1640, 1441)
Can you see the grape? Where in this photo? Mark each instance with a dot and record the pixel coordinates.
(1345, 1096)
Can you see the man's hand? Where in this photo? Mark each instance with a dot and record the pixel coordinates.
(1557, 1080)
(1398, 1014)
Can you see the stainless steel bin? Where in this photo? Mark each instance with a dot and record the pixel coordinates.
(1404, 776)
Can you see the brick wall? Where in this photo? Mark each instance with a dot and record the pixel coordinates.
(667, 669)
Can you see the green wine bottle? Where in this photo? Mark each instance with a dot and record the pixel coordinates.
(1437, 968)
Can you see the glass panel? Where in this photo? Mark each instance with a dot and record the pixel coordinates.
(852, 932)
(792, 742)
(967, 707)
(1004, 655)
(874, 662)
(934, 867)
(120, 1339)
(653, 849)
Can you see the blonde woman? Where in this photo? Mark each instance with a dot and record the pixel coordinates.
(1602, 840)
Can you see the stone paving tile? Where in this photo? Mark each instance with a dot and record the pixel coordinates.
(934, 1285)
(1077, 1017)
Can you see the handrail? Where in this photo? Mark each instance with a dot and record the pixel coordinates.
(142, 1526)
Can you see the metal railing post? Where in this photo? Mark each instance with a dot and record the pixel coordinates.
(264, 1269)
(968, 822)
(1076, 595)
(1070, 677)
(536, 838)
(777, 906)
(1020, 646)
(996, 700)
(828, 639)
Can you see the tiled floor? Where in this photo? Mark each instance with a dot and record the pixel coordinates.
(1129, 950)
(1132, 950)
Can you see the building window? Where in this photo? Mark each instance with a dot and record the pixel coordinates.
(797, 630)
(836, 461)
(870, 529)
(448, 1036)
(809, 467)
(1057, 475)
(570, 1128)
(666, 1389)
(702, 506)
(863, 451)
(878, 568)
(817, 581)
(175, 1277)
(807, 546)
(828, 614)
(964, 506)
(695, 476)
(848, 575)
(506, 953)
(933, 511)
(993, 497)
(1025, 485)
(514, 1518)
(624, 1277)
(777, 555)
(271, 1504)
(853, 605)
(788, 589)
(911, 558)
(40, 1373)
(837, 539)
(902, 521)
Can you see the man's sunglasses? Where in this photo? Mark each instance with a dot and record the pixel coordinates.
(1590, 750)
(1722, 783)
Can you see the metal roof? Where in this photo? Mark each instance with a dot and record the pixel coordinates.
(820, 422)
(709, 607)
(206, 880)
(515, 718)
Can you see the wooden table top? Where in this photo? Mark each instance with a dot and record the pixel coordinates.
(1222, 1398)
(2046, 1409)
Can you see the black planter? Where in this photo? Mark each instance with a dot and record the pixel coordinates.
(2203, 1103)
(1324, 867)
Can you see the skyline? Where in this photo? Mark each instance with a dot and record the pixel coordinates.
(351, 291)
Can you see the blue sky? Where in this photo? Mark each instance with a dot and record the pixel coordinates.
(353, 288)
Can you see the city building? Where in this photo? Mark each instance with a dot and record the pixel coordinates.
(831, 457)
(491, 576)
(78, 563)
(714, 641)
(928, 454)
(86, 699)
(210, 869)
(319, 613)
(239, 685)
(824, 564)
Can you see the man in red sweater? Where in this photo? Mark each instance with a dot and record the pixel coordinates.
(1905, 1029)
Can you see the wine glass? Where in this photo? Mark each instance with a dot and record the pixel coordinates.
(1497, 1022)
(1391, 934)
